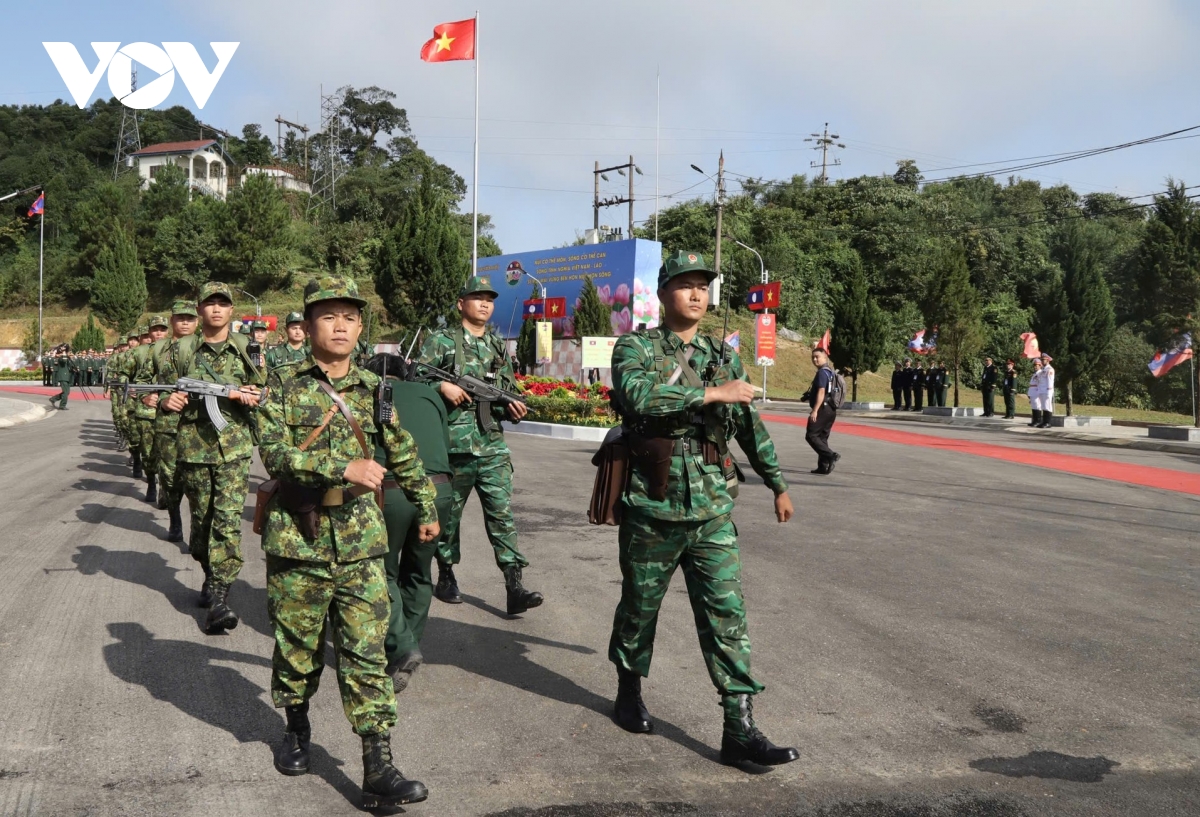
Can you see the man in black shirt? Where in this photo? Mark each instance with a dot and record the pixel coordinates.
(918, 384)
(1010, 390)
(823, 414)
(897, 380)
(988, 385)
(906, 383)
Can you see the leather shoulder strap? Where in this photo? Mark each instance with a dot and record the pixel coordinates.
(368, 453)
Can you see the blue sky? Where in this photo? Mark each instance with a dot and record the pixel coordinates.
(567, 83)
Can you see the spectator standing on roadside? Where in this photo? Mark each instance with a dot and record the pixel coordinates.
(823, 414)
(987, 385)
(897, 388)
(1010, 390)
(1046, 392)
(906, 383)
(1034, 392)
(918, 385)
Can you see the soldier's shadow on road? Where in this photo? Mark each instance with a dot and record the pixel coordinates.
(503, 655)
(185, 675)
(138, 521)
(116, 465)
(151, 570)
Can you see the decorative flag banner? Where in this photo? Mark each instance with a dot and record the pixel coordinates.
(735, 340)
(598, 352)
(763, 296)
(38, 207)
(545, 341)
(825, 341)
(534, 309)
(764, 340)
(270, 320)
(1163, 362)
(451, 41)
(1031, 346)
(556, 308)
(920, 345)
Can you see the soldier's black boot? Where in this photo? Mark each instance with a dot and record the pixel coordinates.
(519, 599)
(629, 712)
(291, 758)
(137, 465)
(1036, 420)
(151, 489)
(742, 741)
(175, 528)
(120, 443)
(402, 669)
(220, 616)
(447, 586)
(383, 785)
(1046, 415)
(206, 590)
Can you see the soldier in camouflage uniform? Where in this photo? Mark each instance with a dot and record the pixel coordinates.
(112, 384)
(65, 370)
(294, 349)
(680, 408)
(166, 423)
(129, 414)
(214, 466)
(146, 407)
(325, 537)
(478, 453)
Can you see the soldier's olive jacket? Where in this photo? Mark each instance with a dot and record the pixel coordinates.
(158, 371)
(64, 369)
(143, 372)
(284, 353)
(295, 407)
(199, 441)
(482, 356)
(649, 407)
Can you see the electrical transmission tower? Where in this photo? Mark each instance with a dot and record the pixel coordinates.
(824, 142)
(328, 166)
(129, 140)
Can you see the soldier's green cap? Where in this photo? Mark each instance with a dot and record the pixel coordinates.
(259, 325)
(133, 334)
(158, 320)
(294, 317)
(215, 288)
(143, 330)
(332, 288)
(244, 328)
(681, 263)
(184, 308)
(480, 283)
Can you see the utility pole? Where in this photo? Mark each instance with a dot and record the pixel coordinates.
(715, 301)
(279, 123)
(825, 141)
(129, 139)
(597, 202)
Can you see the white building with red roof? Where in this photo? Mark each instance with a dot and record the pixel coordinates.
(208, 167)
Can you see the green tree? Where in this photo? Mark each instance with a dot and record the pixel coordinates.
(1168, 270)
(89, 336)
(858, 342)
(186, 246)
(256, 226)
(29, 342)
(952, 305)
(421, 263)
(527, 345)
(592, 316)
(1077, 321)
(252, 149)
(119, 289)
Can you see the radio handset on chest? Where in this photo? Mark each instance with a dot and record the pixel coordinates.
(385, 409)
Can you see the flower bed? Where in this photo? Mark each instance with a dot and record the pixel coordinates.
(566, 402)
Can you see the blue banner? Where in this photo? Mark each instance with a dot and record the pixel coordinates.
(625, 274)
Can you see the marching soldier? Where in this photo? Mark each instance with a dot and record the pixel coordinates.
(478, 453)
(1010, 390)
(293, 350)
(679, 515)
(166, 423)
(214, 466)
(114, 393)
(65, 370)
(987, 385)
(325, 537)
(145, 408)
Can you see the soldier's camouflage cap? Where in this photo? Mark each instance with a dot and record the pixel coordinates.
(293, 317)
(681, 263)
(143, 330)
(332, 288)
(259, 325)
(158, 320)
(215, 288)
(133, 334)
(480, 283)
(184, 308)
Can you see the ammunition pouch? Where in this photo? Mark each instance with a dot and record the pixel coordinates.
(652, 457)
(304, 504)
(612, 479)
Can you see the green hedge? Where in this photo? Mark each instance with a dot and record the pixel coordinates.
(21, 374)
(595, 411)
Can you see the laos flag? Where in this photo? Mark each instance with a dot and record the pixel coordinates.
(39, 206)
(1163, 362)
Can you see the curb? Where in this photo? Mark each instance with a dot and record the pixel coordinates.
(32, 415)
(558, 432)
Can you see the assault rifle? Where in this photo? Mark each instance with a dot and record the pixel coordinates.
(484, 394)
(197, 388)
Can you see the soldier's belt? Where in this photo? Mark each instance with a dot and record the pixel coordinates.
(340, 496)
(688, 445)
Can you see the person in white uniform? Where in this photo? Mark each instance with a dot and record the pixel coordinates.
(1034, 392)
(1046, 391)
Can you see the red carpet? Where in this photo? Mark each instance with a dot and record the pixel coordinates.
(1150, 477)
(77, 392)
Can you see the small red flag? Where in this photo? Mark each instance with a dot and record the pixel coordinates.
(824, 344)
(556, 308)
(451, 41)
(1031, 345)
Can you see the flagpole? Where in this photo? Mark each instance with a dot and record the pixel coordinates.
(475, 180)
(41, 256)
(657, 122)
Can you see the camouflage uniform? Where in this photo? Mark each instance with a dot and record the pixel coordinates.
(166, 430)
(340, 572)
(480, 459)
(143, 415)
(214, 466)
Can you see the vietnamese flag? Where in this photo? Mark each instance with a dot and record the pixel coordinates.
(556, 308)
(451, 41)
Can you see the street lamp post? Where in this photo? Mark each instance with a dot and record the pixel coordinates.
(762, 269)
(544, 298)
(257, 308)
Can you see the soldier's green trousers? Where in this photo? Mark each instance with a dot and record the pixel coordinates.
(216, 494)
(353, 597)
(164, 457)
(146, 447)
(491, 477)
(650, 550)
(1010, 404)
(408, 565)
(64, 393)
(989, 400)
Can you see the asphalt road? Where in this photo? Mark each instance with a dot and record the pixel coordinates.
(940, 634)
